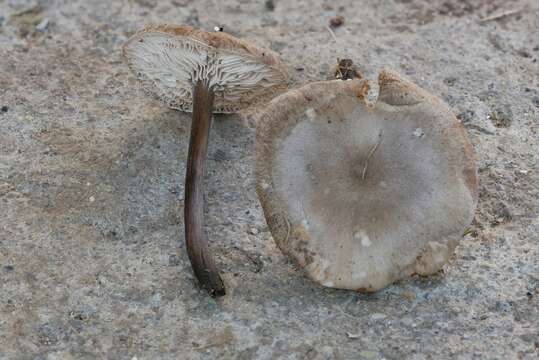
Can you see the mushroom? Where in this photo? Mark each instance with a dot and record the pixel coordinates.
(362, 194)
(202, 72)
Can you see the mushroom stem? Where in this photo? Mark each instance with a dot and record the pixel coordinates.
(195, 237)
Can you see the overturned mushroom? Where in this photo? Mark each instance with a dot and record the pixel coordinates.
(202, 72)
(361, 196)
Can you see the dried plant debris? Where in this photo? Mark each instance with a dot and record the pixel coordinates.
(346, 69)
(29, 20)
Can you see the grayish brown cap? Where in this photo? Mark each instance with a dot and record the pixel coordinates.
(169, 59)
(361, 196)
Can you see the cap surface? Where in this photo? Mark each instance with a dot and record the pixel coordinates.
(362, 196)
(170, 59)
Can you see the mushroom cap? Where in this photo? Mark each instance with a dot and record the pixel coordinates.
(170, 59)
(363, 195)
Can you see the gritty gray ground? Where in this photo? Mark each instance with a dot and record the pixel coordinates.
(92, 258)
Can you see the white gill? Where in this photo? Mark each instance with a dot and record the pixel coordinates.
(173, 65)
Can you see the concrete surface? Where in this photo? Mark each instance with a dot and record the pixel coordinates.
(92, 260)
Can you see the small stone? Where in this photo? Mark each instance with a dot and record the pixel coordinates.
(409, 295)
(523, 53)
(528, 337)
(418, 133)
(450, 81)
(336, 21)
(83, 314)
(407, 321)
(91, 199)
(253, 231)
(220, 155)
(192, 19)
(378, 316)
(270, 5)
(77, 325)
(231, 196)
(466, 116)
(8, 268)
(155, 300)
(50, 333)
(173, 260)
(5, 109)
(43, 25)
(311, 113)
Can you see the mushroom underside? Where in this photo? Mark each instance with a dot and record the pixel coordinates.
(203, 72)
(169, 66)
(360, 198)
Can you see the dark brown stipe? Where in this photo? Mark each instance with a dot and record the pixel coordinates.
(195, 237)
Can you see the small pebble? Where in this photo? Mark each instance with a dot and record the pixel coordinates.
(450, 81)
(173, 260)
(253, 231)
(91, 199)
(336, 21)
(220, 155)
(42, 26)
(378, 316)
(409, 295)
(5, 109)
(270, 5)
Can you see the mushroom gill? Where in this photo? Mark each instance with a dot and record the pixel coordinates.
(170, 65)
